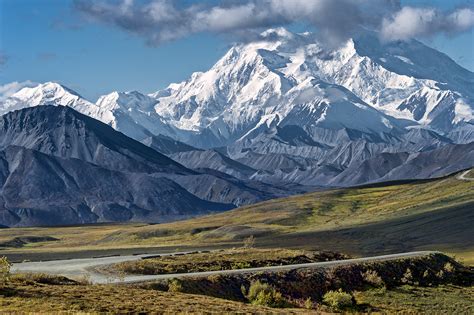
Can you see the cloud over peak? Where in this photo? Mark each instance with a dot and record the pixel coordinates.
(412, 22)
(11, 88)
(159, 21)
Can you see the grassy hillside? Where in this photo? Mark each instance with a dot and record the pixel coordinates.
(335, 209)
(429, 214)
(434, 214)
(42, 294)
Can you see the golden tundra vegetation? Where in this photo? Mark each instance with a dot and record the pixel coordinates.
(430, 284)
(236, 258)
(51, 294)
(401, 216)
(40, 297)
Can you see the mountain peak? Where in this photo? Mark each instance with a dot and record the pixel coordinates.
(50, 85)
(130, 100)
(46, 91)
(67, 133)
(274, 73)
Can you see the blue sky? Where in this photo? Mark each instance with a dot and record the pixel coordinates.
(46, 40)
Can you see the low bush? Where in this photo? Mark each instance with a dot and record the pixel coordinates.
(373, 278)
(175, 285)
(263, 294)
(448, 267)
(249, 242)
(241, 265)
(308, 303)
(426, 274)
(5, 266)
(440, 275)
(407, 277)
(338, 300)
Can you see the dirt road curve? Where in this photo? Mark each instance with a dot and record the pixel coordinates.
(75, 268)
(463, 175)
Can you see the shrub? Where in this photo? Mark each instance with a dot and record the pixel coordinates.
(5, 266)
(263, 294)
(373, 278)
(240, 265)
(249, 242)
(407, 276)
(380, 291)
(215, 278)
(448, 267)
(440, 274)
(338, 299)
(308, 303)
(175, 285)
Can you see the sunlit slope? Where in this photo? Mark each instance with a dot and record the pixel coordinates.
(433, 214)
(387, 218)
(346, 207)
(323, 211)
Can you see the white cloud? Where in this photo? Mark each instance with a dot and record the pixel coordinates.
(412, 22)
(462, 19)
(336, 20)
(9, 89)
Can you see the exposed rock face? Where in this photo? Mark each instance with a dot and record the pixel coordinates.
(40, 189)
(65, 133)
(58, 166)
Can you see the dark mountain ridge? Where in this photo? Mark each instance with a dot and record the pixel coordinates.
(64, 132)
(58, 166)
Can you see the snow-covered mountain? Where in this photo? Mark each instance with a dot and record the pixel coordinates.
(287, 109)
(254, 86)
(286, 78)
(133, 114)
(264, 82)
(406, 80)
(129, 112)
(51, 93)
